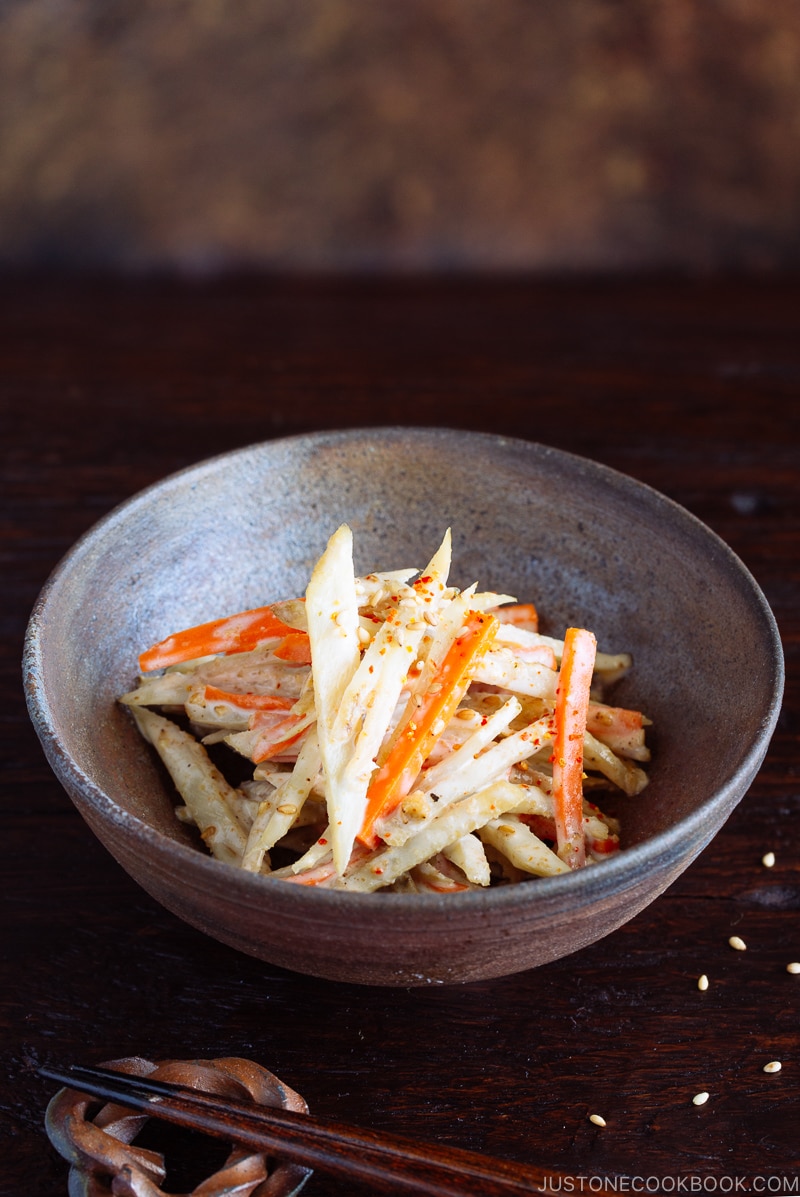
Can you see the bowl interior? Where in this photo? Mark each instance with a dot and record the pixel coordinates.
(587, 545)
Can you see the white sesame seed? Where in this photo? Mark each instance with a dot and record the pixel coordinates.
(793, 967)
(737, 944)
(773, 1066)
(597, 1119)
(700, 1099)
(702, 982)
(768, 860)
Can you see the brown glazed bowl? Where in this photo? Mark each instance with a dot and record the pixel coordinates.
(588, 545)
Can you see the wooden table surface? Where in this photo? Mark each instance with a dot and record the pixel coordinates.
(693, 387)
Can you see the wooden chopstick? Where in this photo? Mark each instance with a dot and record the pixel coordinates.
(387, 1163)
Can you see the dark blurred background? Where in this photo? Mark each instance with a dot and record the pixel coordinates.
(404, 135)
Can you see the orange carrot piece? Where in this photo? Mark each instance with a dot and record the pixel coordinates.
(394, 779)
(316, 876)
(541, 826)
(322, 872)
(620, 729)
(572, 704)
(277, 736)
(234, 634)
(604, 847)
(617, 720)
(295, 648)
(249, 701)
(521, 615)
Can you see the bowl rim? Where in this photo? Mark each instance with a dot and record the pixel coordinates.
(579, 888)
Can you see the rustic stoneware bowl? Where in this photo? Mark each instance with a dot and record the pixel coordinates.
(588, 545)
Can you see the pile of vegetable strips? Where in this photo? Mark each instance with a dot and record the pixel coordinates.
(401, 733)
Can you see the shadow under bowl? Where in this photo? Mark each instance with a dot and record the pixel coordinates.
(589, 546)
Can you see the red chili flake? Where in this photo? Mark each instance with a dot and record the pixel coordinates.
(427, 578)
(322, 840)
(484, 721)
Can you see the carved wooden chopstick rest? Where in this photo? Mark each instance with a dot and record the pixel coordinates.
(105, 1162)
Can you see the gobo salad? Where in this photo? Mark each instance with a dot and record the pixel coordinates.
(397, 733)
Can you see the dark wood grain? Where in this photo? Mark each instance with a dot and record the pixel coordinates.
(693, 387)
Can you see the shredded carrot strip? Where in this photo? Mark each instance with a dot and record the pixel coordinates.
(604, 847)
(295, 648)
(249, 701)
(323, 871)
(616, 720)
(572, 703)
(394, 779)
(540, 825)
(452, 887)
(620, 729)
(234, 634)
(316, 876)
(268, 746)
(521, 615)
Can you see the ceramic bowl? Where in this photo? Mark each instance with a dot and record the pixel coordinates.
(588, 545)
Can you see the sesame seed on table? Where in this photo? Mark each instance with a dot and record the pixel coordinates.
(656, 1052)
